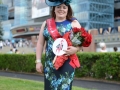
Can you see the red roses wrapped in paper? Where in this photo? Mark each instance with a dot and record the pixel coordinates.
(76, 37)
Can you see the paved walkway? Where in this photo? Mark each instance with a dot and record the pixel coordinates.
(90, 84)
(27, 50)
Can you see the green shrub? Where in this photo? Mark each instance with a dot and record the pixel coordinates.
(96, 65)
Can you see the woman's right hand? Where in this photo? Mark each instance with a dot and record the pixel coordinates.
(39, 67)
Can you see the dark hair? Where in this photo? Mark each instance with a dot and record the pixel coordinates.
(69, 14)
(115, 49)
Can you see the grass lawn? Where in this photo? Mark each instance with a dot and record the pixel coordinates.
(7, 83)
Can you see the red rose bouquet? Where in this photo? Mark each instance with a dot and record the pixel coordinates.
(76, 37)
(80, 37)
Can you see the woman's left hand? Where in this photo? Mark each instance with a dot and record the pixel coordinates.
(71, 50)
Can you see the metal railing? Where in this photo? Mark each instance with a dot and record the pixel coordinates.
(107, 38)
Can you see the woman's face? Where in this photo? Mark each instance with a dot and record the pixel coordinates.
(104, 47)
(61, 11)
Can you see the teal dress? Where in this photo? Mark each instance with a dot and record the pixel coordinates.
(62, 78)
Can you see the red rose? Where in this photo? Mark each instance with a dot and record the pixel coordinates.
(75, 29)
(82, 29)
(84, 34)
(87, 40)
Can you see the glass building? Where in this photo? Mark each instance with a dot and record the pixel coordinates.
(94, 13)
(9, 3)
(28, 18)
(21, 11)
(25, 19)
(7, 32)
(3, 18)
(3, 12)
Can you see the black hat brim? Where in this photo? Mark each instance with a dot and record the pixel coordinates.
(56, 3)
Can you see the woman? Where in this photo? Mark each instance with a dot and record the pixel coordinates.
(62, 78)
(103, 47)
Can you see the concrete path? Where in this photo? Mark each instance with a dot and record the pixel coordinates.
(90, 84)
(27, 50)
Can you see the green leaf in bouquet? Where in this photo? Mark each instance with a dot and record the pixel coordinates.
(76, 41)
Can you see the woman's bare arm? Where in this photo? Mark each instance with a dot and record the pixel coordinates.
(40, 43)
(75, 23)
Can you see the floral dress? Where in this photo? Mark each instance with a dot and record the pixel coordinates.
(62, 78)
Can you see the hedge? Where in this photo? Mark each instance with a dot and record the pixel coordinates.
(95, 65)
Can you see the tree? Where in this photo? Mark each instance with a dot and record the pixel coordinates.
(1, 30)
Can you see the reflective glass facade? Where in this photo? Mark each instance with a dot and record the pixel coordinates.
(6, 31)
(9, 3)
(21, 11)
(94, 13)
(3, 12)
(6, 24)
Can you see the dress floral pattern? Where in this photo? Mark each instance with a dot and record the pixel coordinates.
(62, 78)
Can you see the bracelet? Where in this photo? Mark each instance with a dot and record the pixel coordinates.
(38, 61)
